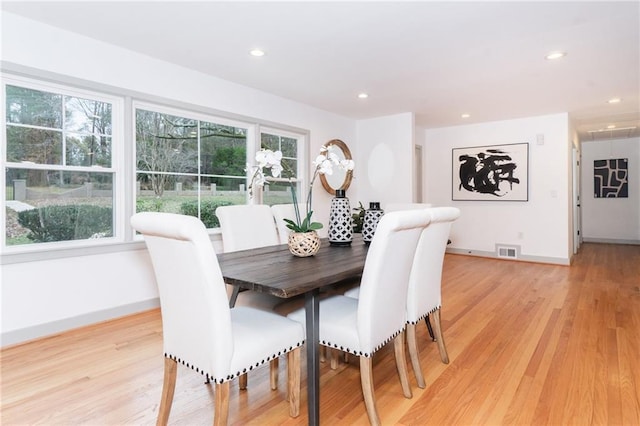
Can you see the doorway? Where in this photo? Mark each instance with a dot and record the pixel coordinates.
(577, 213)
(417, 174)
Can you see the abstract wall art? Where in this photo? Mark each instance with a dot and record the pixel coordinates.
(494, 172)
(611, 178)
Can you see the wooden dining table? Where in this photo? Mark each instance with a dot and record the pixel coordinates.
(274, 270)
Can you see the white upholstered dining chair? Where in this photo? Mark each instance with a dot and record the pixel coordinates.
(424, 296)
(247, 226)
(362, 326)
(200, 331)
(243, 227)
(389, 208)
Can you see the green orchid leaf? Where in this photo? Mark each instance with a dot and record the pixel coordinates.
(292, 225)
(314, 226)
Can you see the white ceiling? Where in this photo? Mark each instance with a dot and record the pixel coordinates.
(437, 59)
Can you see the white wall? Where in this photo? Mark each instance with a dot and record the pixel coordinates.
(47, 296)
(540, 226)
(385, 146)
(611, 219)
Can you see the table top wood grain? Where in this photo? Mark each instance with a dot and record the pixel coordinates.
(274, 270)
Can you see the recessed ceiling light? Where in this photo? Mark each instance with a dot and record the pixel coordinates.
(611, 126)
(256, 52)
(363, 95)
(607, 130)
(614, 100)
(465, 115)
(556, 55)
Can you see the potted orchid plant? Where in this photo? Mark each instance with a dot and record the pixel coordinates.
(272, 160)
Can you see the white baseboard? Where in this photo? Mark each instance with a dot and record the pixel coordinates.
(42, 330)
(610, 241)
(521, 257)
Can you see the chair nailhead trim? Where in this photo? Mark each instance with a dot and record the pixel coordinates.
(360, 353)
(423, 316)
(239, 373)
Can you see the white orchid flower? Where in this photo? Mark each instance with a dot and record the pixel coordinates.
(276, 169)
(347, 164)
(333, 157)
(326, 167)
(319, 160)
(273, 158)
(323, 165)
(261, 158)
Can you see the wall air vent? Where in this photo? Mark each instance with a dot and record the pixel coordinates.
(507, 252)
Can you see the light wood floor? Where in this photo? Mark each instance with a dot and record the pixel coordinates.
(529, 344)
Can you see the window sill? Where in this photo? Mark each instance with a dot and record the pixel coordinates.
(52, 253)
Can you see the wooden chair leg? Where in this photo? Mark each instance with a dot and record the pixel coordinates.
(413, 354)
(273, 373)
(221, 414)
(437, 328)
(333, 357)
(322, 351)
(168, 389)
(293, 382)
(366, 378)
(242, 381)
(401, 364)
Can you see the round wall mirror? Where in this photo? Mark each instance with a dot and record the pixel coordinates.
(339, 179)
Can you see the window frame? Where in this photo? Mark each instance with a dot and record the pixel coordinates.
(116, 169)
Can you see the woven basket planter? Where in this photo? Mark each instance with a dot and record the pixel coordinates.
(304, 244)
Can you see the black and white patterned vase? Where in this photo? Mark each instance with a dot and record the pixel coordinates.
(340, 227)
(371, 218)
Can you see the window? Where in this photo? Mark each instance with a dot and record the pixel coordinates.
(189, 165)
(279, 190)
(59, 172)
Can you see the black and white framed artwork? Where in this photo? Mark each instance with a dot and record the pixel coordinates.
(611, 178)
(494, 172)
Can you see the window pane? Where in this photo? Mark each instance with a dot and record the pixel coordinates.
(87, 116)
(35, 145)
(88, 150)
(280, 193)
(165, 143)
(213, 195)
(289, 147)
(33, 107)
(289, 168)
(49, 206)
(271, 142)
(223, 149)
